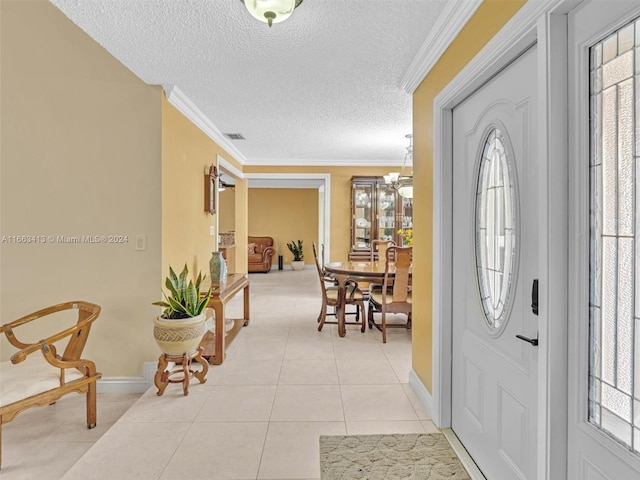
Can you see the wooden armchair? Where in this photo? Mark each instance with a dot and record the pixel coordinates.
(37, 375)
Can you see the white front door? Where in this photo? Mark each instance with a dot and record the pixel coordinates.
(604, 316)
(495, 261)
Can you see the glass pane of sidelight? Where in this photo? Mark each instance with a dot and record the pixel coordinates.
(617, 70)
(625, 158)
(609, 159)
(495, 228)
(614, 283)
(625, 39)
(610, 48)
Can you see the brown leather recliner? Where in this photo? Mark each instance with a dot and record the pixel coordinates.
(260, 260)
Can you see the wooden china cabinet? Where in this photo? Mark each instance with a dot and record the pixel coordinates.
(377, 212)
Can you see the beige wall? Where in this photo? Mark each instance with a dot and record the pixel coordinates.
(486, 22)
(286, 214)
(227, 210)
(340, 201)
(80, 155)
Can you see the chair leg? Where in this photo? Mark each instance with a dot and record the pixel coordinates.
(323, 316)
(370, 316)
(361, 307)
(91, 405)
(384, 326)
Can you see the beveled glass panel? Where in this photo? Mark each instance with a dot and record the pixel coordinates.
(625, 39)
(625, 158)
(625, 315)
(610, 48)
(595, 352)
(616, 401)
(609, 160)
(595, 272)
(609, 304)
(495, 232)
(616, 426)
(617, 70)
(636, 370)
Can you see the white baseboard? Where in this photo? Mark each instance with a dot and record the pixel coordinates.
(466, 460)
(426, 400)
(129, 384)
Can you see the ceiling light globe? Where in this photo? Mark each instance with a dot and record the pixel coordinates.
(406, 191)
(271, 11)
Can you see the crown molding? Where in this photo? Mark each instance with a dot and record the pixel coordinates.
(453, 18)
(178, 99)
(310, 162)
(518, 34)
(231, 169)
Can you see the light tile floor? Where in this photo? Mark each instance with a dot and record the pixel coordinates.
(258, 416)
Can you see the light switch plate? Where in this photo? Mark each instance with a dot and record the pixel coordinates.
(141, 242)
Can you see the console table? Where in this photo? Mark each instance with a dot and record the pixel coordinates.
(214, 343)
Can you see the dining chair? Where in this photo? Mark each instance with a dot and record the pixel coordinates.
(382, 245)
(395, 294)
(328, 277)
(353, 296)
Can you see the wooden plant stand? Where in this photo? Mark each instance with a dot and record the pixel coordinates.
(182, 369)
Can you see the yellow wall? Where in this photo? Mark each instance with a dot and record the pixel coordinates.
(241, 221)
(286, 214)
(486, 22)
(80, 155)
(186, 151)
(340, 201)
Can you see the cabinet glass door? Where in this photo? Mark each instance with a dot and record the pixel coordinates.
(363, 216)
(386, 213)
(406, 219)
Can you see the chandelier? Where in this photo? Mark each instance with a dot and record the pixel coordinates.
(271, 11)
(396, 180)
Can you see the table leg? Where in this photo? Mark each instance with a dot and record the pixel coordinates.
(246, 305)
(341, 308)
(218, 309)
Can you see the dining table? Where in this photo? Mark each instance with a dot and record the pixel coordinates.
(372, 272)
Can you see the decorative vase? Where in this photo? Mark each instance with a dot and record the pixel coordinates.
(297, 264)
(179, 336)
(217, 267)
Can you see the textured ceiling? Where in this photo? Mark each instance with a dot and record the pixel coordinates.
(323, 87)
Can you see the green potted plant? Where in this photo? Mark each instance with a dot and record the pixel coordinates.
(181, 326)
(296, 249)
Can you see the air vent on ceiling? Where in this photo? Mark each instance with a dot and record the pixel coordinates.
(234, 136)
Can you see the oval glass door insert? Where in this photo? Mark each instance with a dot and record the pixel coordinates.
(495, 229)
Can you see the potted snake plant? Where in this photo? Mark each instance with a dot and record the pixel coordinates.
(181, 326)
(296, 249)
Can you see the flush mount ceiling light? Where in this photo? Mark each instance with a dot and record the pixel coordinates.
(402, 183)
(271, 11)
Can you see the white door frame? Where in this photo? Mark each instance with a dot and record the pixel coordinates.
(544, 22)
